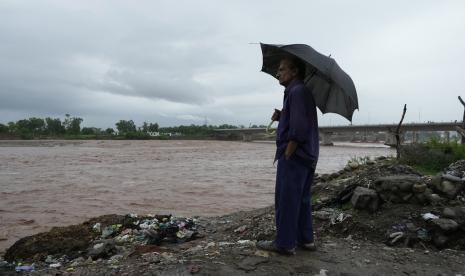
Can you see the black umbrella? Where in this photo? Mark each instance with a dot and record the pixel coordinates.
(333, 90)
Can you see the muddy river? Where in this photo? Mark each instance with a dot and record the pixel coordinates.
(54, 183)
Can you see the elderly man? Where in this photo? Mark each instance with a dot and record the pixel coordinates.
(297, 154)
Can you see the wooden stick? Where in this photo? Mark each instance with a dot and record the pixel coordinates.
(463, 119)
(398, 132)
(460, 99)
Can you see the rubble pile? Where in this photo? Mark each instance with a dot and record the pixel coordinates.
(401, 206)
(106, 237)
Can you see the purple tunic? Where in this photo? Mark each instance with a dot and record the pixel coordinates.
(298, 122)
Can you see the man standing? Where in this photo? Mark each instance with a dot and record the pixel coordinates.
(297, 154)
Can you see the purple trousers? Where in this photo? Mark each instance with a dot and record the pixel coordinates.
(293, 204)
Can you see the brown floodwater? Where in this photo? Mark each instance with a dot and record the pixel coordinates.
(55, 183)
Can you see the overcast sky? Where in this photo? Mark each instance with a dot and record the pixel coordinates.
(187, 62)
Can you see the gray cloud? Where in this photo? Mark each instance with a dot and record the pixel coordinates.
(177, 63)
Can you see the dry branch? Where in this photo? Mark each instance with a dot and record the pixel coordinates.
(463, 119)
(398, 132)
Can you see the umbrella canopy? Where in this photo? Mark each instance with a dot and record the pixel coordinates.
(333, 90)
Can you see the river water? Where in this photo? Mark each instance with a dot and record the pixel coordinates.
(55, 183)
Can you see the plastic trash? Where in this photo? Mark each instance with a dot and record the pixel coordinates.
(25, 268)
(423, 234)
(400, 227)
(96, 227)
(184, 234)
(396, 236)
(107, 231)
(50, 260)
(123, 238)
(246, 242)
(338, 218)
(429, 216)
(98, 246)
(241, 229)
(55, 265)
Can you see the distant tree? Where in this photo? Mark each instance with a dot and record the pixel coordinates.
(153, 127)
(226, 126)
(124, 126)
(36, 125)
(54, 126)
(4, 128)
(145, 127)
(12, 128)
(109, 131)
(72, 124)
(27, 128)
(75, 125)
(89, 131)
(22, 125)
(24, 129)
(149, 127)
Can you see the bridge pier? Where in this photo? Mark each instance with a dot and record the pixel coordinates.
(447, 136)
(326, 139)
(364, 136)
(391, 139)
(415, 137)
(246, 137)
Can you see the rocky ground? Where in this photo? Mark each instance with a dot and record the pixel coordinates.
(375, 217)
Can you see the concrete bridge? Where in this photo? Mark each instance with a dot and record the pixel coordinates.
(327, 132)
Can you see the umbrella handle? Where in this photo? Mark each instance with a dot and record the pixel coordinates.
(268, 129)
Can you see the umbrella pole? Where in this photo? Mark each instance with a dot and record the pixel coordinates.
(269, 130)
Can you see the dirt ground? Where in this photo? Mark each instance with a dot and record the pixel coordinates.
(220, 253)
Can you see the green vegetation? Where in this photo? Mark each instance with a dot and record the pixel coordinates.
(432, 156)
(70, 128)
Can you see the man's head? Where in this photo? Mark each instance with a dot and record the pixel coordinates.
(290, 68)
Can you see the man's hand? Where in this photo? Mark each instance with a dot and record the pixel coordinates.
(276, 115)
(290, 149)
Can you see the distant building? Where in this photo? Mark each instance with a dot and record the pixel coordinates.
(157, 134)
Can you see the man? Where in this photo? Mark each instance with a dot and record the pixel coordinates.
(297, 154)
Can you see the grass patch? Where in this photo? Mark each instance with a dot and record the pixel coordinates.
(432, 156)
(314, 199)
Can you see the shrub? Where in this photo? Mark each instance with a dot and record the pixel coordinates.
(433, 155)
(136, 135)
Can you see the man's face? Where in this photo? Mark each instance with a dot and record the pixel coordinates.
(285, 74)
